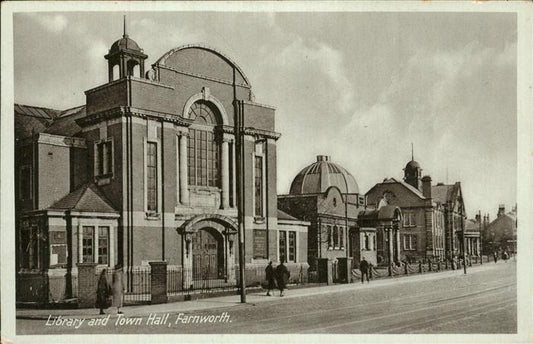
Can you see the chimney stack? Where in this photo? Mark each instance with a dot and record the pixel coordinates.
(501, 210)
(478, 217)
(426, 186)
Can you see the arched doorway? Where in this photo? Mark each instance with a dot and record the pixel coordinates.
(207, 254)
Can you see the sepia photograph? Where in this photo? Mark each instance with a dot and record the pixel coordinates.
(287, 172)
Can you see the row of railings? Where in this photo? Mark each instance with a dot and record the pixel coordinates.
(405, 268)
(157, 282)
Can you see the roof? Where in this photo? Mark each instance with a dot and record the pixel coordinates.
(284, 216)
(443, 193)
(32, 119)
(401, 182)
(87, 198)
(412, 164)
(124, 44)
(65, 124)
(320, 176)
(472, 225)
(385, 213)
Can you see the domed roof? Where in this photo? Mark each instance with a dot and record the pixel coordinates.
(412, 164)
(319, 176)
(125, 43)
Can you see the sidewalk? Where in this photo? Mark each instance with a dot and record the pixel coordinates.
(252, 298)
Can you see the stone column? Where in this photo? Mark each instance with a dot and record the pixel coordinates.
(158, 282)
(397, 253)
(187, 262)
(184, 189)
(225, 174)
(230, 263)
(87, 285)
(233, 177)
(391, 246)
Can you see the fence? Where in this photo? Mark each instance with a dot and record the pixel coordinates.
(136, 283)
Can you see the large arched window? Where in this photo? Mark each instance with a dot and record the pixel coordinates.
(203, 149)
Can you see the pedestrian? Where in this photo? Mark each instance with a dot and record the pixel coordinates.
(103, 292)
(363, 266)
(270, 277)
(370, 270)
(118, 288)
(495, 256)
(282, 276)
(505, 256)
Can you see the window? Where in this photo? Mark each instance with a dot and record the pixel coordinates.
(103, 166)
(88, 244)
(202, 148)
(282, 245)
(366, 245)
(258, 186)
(29, 240)
(103, 245)
(292, 247)
(151, 176)
(26, 183)
(409, 220)
(409, 242)
(330, 240)
(335, 237)
(341, 237)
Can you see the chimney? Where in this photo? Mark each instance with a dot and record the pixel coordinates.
(501, 210)
(426, 186)
(322, 158)
(478, 218)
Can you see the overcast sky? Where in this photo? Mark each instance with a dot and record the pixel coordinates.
(359, 87)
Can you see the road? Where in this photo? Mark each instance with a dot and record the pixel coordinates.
(483, 301)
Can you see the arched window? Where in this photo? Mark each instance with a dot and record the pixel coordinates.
(203, 150)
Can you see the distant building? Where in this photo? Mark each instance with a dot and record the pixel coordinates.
(500, 234)
(327, 196)
(146, 171)
(433, 215)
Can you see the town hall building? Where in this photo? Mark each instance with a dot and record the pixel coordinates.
(145, 172)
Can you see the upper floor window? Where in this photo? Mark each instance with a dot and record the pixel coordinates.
(103, 162)
(203, 151)
(259, 176)
(151, 176)
(409, 220)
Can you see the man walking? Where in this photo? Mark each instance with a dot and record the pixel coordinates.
(270, 277)
(363, 266)
(282, 276)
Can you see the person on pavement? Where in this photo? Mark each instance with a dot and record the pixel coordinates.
(363, 266)
(495, 256)
(282, 276)
(103, 292)
(118, 288)
(270, 277)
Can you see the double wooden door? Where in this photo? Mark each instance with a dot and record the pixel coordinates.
(208, 258)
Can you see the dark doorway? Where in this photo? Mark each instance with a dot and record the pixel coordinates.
(207, 254)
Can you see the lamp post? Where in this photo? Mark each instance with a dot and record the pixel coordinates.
(463, 239)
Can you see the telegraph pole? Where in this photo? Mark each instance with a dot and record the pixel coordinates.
(239, 178)
(464, 244)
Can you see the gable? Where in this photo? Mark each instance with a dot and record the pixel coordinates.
(399, 195)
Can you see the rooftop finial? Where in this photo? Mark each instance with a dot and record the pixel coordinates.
(412, 152)
(125, 34)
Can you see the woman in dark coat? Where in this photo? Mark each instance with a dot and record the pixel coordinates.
(282, 277)
(103, 292)
(270, 277)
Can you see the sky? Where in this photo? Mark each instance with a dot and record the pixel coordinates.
(359, 87)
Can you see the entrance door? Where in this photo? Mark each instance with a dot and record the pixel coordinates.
(206, 254)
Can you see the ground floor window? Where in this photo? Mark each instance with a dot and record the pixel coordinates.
(409, 242)
(29, 240)
(287, 246)
(95, 244)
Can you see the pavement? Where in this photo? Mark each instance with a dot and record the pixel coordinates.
(251, 298)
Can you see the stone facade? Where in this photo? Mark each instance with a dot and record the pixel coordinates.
(146, 172)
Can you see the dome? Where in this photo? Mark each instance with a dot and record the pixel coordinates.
(125, 43)
(412, 164)
(321, 175)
